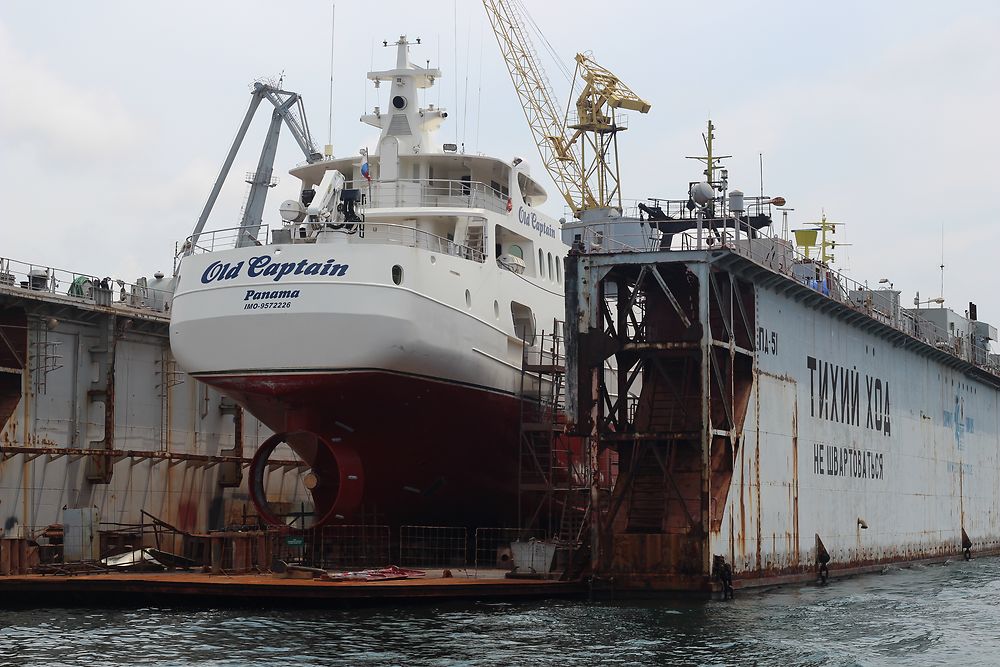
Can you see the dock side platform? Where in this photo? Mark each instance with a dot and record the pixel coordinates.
(197, 589)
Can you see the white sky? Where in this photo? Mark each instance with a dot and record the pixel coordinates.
(115, 116)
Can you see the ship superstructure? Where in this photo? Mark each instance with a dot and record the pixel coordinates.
(379, 330)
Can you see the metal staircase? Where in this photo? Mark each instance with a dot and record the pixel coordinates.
(553, 478)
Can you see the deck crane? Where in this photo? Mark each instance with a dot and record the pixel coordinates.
(288, 109)
(580, 151)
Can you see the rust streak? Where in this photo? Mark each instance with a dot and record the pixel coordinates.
(756, 484)
(795, 478)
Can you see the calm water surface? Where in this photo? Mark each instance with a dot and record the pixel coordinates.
(943, 614)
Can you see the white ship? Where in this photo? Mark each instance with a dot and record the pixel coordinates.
(379, 329)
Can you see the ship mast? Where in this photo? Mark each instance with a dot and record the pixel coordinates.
(709, 158)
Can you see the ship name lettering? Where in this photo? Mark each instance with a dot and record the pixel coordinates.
(531, 220)
(264, 265)
(220, 271)
(837, 461)
(835, 395)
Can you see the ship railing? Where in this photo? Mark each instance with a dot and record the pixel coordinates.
(433, 193)
(89, 287)
(224, 239)
(391, 233)
(781, 256)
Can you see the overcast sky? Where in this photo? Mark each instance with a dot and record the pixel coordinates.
(115, 116)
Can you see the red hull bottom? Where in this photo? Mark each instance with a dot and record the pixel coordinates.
(393, 448)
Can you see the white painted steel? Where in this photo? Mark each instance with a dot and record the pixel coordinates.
(938, 473)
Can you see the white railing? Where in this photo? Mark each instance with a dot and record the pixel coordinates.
(223, 239)
(434, 193)
(388, 233)
(16, 275)
(376, 233)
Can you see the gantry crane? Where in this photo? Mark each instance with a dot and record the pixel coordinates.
(288, 109)
(583, 163)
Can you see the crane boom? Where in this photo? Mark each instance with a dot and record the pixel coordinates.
(584, 164)
(283, 101)
(561, 158)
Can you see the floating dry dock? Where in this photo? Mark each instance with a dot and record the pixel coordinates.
(94, 412)
(787, 419)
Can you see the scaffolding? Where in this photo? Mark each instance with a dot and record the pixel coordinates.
(680, 328)
(553, 477)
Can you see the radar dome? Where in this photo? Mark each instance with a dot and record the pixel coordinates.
(702, 193)
(292, 211)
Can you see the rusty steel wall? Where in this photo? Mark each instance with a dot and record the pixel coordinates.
(173, 428)
(890, 469)
(770, 427)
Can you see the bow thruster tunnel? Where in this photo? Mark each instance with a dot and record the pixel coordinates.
(334, 480)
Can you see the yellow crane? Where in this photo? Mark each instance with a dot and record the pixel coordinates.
(579, 152)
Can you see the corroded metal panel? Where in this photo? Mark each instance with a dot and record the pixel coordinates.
(170, 433)
(818, 431)
(882, 451)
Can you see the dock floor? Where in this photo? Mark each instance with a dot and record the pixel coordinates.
(198, 589)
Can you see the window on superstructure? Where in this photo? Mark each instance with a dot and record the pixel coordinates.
(559, 271)
(549, 263)
(541, 263)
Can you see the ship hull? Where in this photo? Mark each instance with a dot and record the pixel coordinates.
(399, 386)
(423, 450)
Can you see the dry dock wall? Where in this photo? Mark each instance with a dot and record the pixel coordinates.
(771, 426)
(79, 377)
(883, 451)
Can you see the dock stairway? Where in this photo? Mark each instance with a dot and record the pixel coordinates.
(552, 483)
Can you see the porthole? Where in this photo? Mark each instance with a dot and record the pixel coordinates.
(468, 299)
(496, 310)
(397, 274)
(399, 102)
(434, 259)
